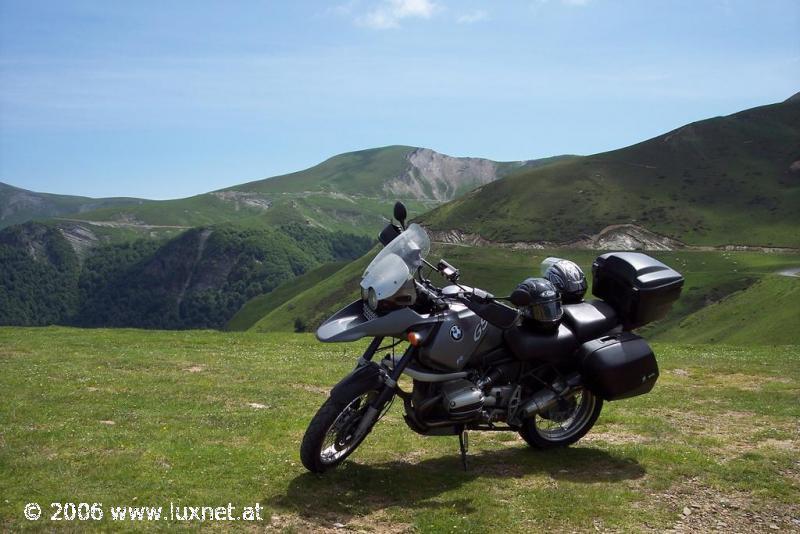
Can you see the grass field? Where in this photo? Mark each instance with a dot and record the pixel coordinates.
(128, 417)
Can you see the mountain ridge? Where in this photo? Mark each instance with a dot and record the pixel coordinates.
(348, 192)
(18, 205)
(692, 184)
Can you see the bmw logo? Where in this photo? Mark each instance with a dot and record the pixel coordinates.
(456, 332)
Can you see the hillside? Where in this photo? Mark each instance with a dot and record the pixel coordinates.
(264, 233)
(351, 192)
(198, 279)
(725, 180)
(257, 307)
(742, 283)
(20, 205)
(765, 312)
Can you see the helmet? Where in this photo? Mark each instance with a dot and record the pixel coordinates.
(541, 302)
(567, 277)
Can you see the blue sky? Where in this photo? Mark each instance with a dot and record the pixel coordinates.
(165, 99)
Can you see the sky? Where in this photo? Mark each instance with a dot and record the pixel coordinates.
(166, 99)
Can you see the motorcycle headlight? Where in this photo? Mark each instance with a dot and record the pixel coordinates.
(372, 299)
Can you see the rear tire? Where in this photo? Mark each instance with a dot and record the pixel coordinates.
(329, 438)
(543, 433)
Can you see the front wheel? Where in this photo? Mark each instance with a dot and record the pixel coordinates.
(563, 424)
(333, 433)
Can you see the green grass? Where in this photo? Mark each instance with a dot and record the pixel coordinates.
(710, 277)
(725, 180)
(207, 418)
(766, 312)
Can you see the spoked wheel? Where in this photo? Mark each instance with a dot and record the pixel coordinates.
(331, 436)
(563, 424)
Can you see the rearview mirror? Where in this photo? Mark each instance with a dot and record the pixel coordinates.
(400, 213)
(388, 234)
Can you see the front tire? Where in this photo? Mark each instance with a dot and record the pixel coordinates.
(330, 437)
(565, 424)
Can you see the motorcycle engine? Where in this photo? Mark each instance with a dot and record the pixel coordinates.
(462, 399)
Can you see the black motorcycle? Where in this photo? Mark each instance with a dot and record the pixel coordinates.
(536, 366)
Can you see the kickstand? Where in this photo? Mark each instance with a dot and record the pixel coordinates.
(463, 442)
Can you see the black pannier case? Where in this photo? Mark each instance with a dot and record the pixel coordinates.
(618, 366)
(641, 289)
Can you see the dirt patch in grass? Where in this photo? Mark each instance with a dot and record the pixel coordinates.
(693, 378)
(744, 381)
(614, 435)
(376, 522)
(737, 432)
(317, 390)
(195, 369)
(699, 508)
(781, 444)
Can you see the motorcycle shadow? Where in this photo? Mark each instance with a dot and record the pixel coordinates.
(356, 489)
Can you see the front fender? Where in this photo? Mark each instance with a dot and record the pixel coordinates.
(363, 378)
(350, 324)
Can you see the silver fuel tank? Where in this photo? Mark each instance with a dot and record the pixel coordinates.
(461, 335)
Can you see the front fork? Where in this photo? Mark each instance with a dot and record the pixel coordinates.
(389, 384)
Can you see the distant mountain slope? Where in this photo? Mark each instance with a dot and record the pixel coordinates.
(259, 306)
(198, 279)
(740, 318)
(393, 172)
(20, 205)
(726, 180)
(349, 192)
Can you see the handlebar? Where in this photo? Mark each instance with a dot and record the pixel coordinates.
(483, 303)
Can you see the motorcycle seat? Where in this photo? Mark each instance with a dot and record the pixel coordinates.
(553, 347)
(590, 320)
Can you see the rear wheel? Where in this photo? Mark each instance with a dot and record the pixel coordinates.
(331, 436)
(563, 424)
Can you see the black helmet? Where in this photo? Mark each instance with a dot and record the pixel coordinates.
(567, 277)
(540, 302)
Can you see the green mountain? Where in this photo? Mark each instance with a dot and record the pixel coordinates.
(351, 192)
(726, 180)
(20, 205)
(198, 279)
(194, 262)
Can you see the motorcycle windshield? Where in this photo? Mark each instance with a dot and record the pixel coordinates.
(397, 262)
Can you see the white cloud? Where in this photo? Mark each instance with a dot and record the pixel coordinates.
(390, 12)
(471, 17)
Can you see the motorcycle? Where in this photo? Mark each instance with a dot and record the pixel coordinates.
(476, 362)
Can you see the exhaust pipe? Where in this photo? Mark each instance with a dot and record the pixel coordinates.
(546, 399)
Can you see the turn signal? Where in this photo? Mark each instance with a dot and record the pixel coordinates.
(414, 338)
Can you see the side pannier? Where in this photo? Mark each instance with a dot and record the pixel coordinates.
(618, 366)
